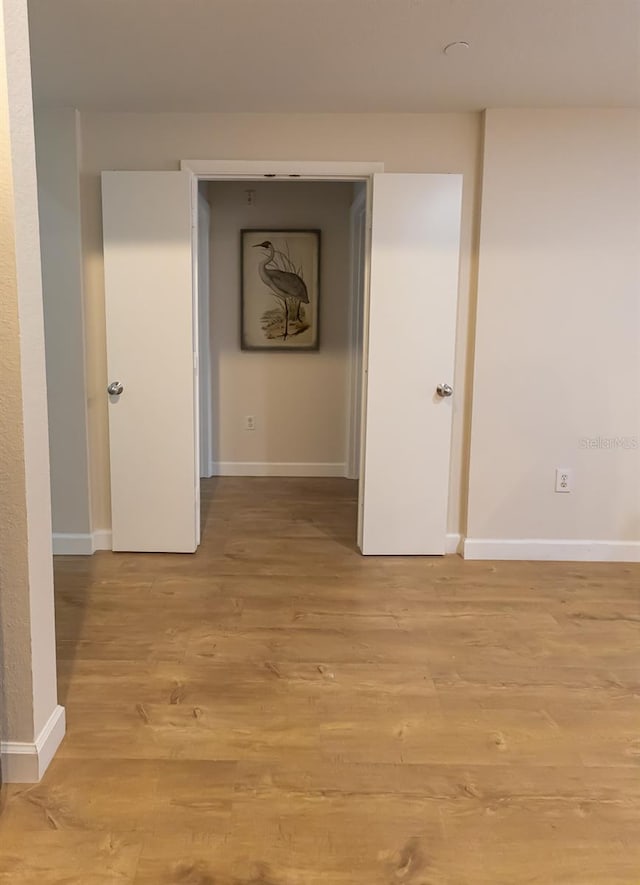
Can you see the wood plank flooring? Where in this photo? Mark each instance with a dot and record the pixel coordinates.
(278, 710)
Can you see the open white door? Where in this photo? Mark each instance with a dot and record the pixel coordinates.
(413, 286)
(153, 421)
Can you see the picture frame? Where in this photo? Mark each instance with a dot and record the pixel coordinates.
(280, 289)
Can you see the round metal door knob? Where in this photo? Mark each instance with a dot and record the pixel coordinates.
(444, 390)
(115, 388)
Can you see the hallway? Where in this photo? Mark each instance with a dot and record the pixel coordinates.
(278, 710)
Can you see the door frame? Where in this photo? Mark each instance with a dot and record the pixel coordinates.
(204, 349)
(287, 170)
(358, 260)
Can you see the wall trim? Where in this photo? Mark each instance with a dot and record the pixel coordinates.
(81, 544)
(102, 540)
(552, 550)
(25, 762)
(276, 468)
(72, 544)
(253, 169)
(453, 543)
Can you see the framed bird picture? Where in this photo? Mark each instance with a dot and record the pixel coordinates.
(280, 289)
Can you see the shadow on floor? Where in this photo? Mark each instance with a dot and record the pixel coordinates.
(74, 579)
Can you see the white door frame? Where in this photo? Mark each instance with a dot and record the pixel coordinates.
(358, 241)
(286, 170)
(201, 281)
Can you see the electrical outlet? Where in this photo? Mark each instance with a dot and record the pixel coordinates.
(564, 479)
(250, 422)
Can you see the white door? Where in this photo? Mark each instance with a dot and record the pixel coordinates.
(151, 324)
(413, 293)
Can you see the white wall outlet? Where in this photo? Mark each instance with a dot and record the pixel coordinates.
(250, 422)
(564, 479)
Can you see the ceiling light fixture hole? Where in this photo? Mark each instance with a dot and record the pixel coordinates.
(456, 47)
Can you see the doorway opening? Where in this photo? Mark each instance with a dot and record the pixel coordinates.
(277, 413)
(412, 237)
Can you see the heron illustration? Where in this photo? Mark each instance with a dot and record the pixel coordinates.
(284, 284)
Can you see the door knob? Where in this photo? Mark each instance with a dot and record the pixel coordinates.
(444, 390)
(115, 388)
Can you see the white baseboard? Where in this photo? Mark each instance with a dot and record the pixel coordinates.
(552, 550)
(453, 543)
(25, 762)
(102, 540)
(72, 544)
(275, 468)
(75, 544)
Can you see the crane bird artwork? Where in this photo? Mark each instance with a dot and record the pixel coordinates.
(288, 286)
(283, 266)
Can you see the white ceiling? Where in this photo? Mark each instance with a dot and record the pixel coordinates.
(334, 55)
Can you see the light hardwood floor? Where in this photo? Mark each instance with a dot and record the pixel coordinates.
(277, 710)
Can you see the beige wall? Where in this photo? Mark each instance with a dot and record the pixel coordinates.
(559, 265)
(299, 400)
(556, 347)
(27, 640)
(404, 142)
(558, 331)
(58, 159)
